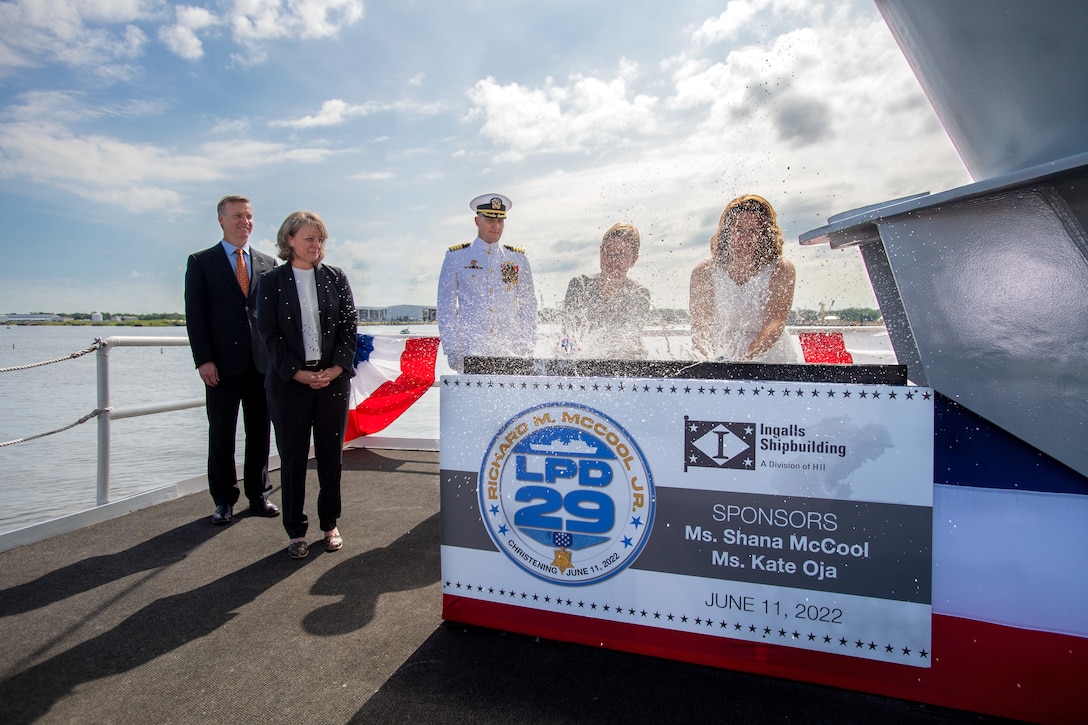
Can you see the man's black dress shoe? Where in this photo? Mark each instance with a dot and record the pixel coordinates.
(264, 507)
(223, 515)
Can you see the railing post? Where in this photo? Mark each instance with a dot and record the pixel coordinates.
(103, 422)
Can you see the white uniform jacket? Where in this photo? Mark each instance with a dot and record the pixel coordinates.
(486, 302)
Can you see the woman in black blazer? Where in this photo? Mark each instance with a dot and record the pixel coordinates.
(306, 320)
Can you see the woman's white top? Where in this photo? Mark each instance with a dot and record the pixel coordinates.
(739, 311)
(306, 284)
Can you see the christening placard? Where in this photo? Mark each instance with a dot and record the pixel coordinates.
(789, 514)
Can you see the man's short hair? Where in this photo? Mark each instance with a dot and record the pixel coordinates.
(229, 199)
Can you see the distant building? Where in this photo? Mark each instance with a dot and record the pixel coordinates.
(372, 314)
(96, 317)
(412, 313)
(397, 313)
(34, 317)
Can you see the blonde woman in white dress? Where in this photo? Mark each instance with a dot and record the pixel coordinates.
(740, 297)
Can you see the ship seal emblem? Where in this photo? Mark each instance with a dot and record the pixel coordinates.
(566, 494)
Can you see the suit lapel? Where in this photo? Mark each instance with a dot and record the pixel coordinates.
(289, 299)
(321, 277)
(257, 267)
(260, 265)
(225, 265)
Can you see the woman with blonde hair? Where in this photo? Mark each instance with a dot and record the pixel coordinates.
(740, 297)
(604, 314)
(307, 321)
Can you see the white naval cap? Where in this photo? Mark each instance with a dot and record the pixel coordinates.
(491, 205)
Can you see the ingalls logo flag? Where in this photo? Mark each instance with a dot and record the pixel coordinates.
(713, 444)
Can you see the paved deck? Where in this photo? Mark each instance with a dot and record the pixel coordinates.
(161, 617)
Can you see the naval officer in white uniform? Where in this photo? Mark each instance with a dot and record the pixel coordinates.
(486, 301)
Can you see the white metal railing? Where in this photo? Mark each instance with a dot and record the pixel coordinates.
(106, 411)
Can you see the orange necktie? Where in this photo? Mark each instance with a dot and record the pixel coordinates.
(241, 273)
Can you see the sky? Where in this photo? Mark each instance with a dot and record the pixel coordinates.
(122, 123)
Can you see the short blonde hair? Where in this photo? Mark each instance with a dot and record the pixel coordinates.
(229, 199)
(295, 221)
(624, 231)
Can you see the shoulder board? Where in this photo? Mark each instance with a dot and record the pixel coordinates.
(519, 250)
(455, 247)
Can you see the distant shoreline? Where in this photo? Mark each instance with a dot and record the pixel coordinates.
(103, 323)
(162, 323)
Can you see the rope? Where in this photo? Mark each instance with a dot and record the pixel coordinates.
(73, 356)
(93, 414)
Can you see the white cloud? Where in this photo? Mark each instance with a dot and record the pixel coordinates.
(333, 113)
(67, 18)
(336, 112)
(375, 176)
(254, 22)
(100, 34)
(230, 127)
(753, 18)
(249, 153)
(95, 34)
(63, 107)
(323, 18)
(736, 17)
(181, 37)
(56, 105)
(552, 119)
(39, 145)
(97, 167)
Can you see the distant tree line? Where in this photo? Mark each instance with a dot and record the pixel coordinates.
(171, 316)
(846, 316)
(155, 319)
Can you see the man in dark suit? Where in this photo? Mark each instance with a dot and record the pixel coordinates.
(221, 318)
